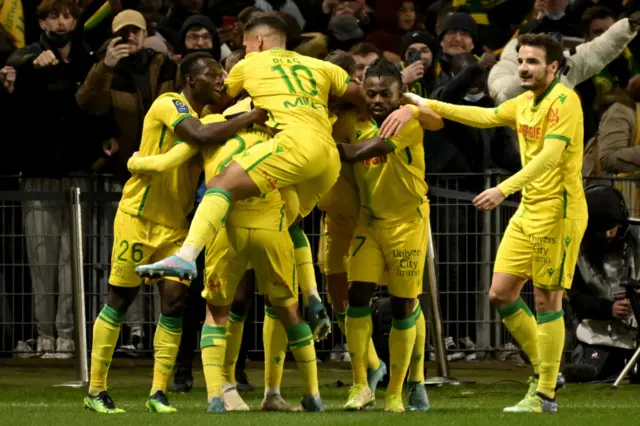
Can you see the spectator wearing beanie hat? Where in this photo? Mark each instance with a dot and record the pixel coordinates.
(458, 34)
(198, 34)
(419, 50)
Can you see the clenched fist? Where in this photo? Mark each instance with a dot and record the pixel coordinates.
(45, 59)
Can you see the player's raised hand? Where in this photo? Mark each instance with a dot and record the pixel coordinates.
(45, 59)
(489, 199)
(413, 72)
(395, 122)
(115, 52)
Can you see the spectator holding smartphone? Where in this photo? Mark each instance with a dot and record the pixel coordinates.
(419, 49)
(125, 82)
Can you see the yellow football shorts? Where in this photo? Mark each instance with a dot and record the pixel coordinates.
(544, 251)
(138, 241)
(299, 157)
(399, 252)
(229, 256)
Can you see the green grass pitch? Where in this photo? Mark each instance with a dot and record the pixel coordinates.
(27, 397)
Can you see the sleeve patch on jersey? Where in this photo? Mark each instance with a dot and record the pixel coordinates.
(390, 142)
(558, 137)
(348, 80)
(181, 107)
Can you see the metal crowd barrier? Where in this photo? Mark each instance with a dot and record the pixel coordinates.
(463, 243)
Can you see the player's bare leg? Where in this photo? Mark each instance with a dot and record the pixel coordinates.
(213, 345)
(106, 330)
(301, 345)
(235, 328)
(550, 343)
(359, 328)
(166, 343)
(232, 184)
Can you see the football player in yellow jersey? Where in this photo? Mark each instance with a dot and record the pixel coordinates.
(390, 238)
(294, 90)
(151, 223)
(255, 233)
(543, 238)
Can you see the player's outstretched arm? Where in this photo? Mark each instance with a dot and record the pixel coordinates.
(191, 130)
(396, 121)
(371, 148)
(160, 163)
(484, 118)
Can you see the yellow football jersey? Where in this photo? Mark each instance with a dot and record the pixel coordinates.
(343, 198)
(292, 88)
(392, 187)
(164, 198)
(262, 212)
(555, 114)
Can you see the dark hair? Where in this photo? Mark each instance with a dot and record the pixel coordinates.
(342, 59)
(270, 20)
(553, 49)
(47, 7)
(383, 68)
(193, 64)
(593, 13)
(364, 49)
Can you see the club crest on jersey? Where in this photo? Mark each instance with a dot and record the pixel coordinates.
(553, 116)
(181, 107)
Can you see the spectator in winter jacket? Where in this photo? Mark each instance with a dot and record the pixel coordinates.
(584, 62)
(125, 82)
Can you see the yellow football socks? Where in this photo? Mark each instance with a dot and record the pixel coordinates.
(275, 340)
(519, 320)
(213, 345)
(550, 346)
(301, 345)
(106, 330)
(373, 362)
(416, 368)
(165, 348)
(401, 342)
(235, 328)
(359, 329)
(304, 264)
(209, 218)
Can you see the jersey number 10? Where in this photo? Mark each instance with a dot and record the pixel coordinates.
(294, 72)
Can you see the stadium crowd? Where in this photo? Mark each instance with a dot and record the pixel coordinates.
(91, 71)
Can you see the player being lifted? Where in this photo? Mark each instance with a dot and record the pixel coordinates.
(294, 90)
(543, 238)
(390, 238)
(151, 223)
